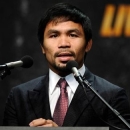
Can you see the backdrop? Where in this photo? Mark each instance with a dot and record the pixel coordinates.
(109, 57)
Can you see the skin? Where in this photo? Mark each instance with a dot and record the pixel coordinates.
(42, 123)
(63, 41)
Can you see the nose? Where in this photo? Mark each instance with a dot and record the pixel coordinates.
(64, 42)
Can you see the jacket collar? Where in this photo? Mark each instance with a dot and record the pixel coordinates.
(40, 100)
(79, 102)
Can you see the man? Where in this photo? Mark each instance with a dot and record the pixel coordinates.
(65, 34)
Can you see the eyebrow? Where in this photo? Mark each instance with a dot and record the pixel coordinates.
(74, 30)
(68, 31)
(52, 31)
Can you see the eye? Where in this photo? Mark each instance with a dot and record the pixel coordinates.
(53, 35)
(73, 35)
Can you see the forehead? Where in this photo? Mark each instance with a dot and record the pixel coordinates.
(63, 25)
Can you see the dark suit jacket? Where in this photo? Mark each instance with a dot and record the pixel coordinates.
(30, 101)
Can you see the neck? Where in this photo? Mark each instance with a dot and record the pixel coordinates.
(63, 72)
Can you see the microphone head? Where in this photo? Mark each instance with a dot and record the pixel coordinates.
(71, 64)
(27, 61)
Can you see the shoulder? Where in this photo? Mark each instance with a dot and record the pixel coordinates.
(102, 83)
(30, 85)
(109, 91)
(103, 86)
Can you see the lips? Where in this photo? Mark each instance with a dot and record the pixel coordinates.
(64, 56)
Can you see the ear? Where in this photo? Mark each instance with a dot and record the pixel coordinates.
(89, 45)
(43, 51)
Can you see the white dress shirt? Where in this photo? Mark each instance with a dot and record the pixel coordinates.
(54, 92)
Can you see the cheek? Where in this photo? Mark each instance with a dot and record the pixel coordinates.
(80, 52)
(49, 46)
(49, 52)
(81, 49)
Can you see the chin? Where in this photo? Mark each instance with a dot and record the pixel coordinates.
(61, 67)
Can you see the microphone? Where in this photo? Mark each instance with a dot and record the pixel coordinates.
(25, 62)
(72, 66)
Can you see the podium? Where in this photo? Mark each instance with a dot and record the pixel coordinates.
(52, 128)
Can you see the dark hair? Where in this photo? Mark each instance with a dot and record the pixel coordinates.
(65, 12)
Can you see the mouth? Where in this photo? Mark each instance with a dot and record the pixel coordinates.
(65, 56)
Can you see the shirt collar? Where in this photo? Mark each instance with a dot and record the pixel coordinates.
(73, 84)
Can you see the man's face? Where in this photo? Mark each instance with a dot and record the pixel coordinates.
(64, 41)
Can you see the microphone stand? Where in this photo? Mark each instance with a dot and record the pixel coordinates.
(113, 110)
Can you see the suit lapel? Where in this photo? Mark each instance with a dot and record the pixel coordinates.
(39, 99)
(79, 102)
